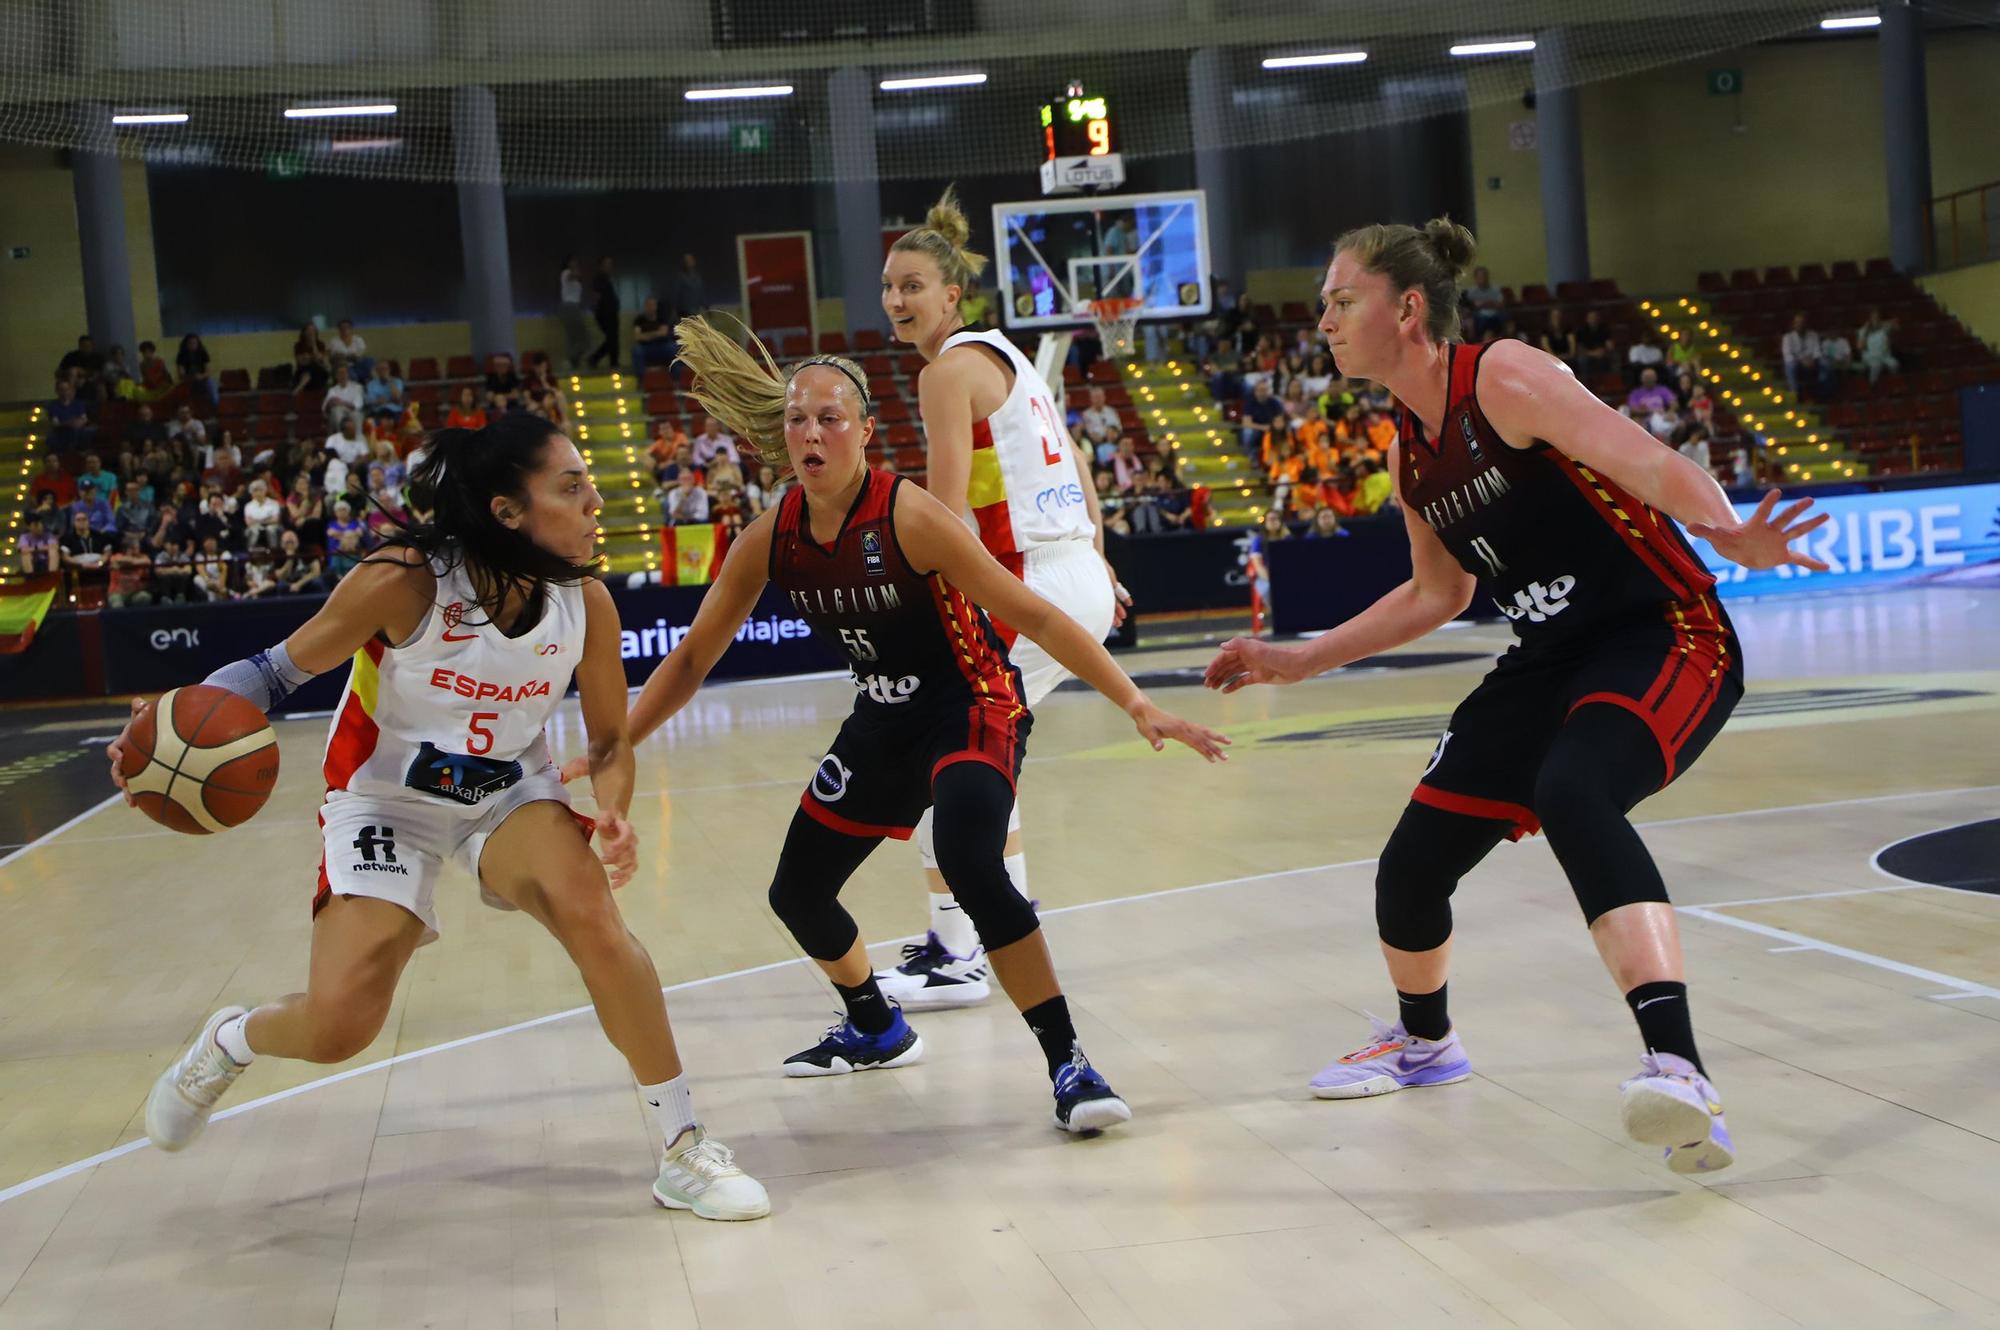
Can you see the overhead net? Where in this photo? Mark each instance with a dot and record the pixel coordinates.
(594, 94)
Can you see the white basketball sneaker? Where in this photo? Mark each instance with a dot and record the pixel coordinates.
(186, 1091)
(702, 1176)
(931, 977)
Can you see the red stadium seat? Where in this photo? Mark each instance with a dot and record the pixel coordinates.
(904, 436)
(462, 367)
(874, 366)
(833, 343)
(233, 408)
(1295, 311)
(911, 457)
(1536, 294)
(1780, 276)
(869, 339)
(661, 404)
(1604, 288)
(274, 404)
(1573, 293)
(657, 378)
(424, 369)
(892, 411)
(235, 381)
(910, 364)
(1711, 283)
(1846, 270)
(1879, 268)
(883, 388)
(1812, 274)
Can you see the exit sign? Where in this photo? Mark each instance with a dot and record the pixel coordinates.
(750, 138)
(1725, 82)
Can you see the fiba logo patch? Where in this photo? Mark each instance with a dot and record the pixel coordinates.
(830, 781)
(1470, 435)
(872, 561)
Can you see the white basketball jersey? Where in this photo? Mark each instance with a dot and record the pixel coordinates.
(457, 712)
(1024, 490)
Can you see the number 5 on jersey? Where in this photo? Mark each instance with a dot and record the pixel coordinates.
(480, 741)
(857, 644)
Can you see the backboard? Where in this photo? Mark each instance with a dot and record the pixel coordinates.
(1056, 255)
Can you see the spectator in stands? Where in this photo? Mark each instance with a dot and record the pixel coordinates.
(1742, 472)
(92, 505)
(1649, 396)
(312, 369)
(215, 522)
(1558, 339)
(136, 515)
(1286, 469)
(466, 413)
(41, 536)
(384, 394)
(1694, 447)
(1800, 348)
(1375, 490)
(1683, 356)
(1142, 513)
(211, 570)
(305, 510)
(605, 308)
(1596, 350)
(343, 524)
(1485, 302)
(192, 363)
(71, 425)
(382, 453)
(349, 345)
(94, 472)
(184, 429)
(154, 379)
(1240, 325)
(345, 399)
(1173, 503)
(1259, 413)
(668, 439)
(224, 470)
(1836, 358)
(544, 398)
(1224, 383)
(1318, 376)
(84, 547)
(1099, 423)
(686, 504)
(712, 443)
(263, 517)
(1125, 465)
(1379, 430)
(347, 553)
(724, 470)
(503, 383)
(569, 309)
(168, 527)
(1878, 355)
(1337, 490)
(115, 379)
(131, 573)
(173, 571)
(297, 572)
(385, 505)
(1326, 525)
(652, 337)
(1663, 422)
(1294, 400)
(80, 366)
(688, 292)
(52, 479)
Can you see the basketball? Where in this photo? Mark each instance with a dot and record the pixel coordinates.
(211, 765)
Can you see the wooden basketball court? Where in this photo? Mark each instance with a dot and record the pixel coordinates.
(486, 1163)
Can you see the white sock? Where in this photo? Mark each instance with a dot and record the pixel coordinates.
(953, 925)
(672, 1105)
(1017, 873)
(232, 1038)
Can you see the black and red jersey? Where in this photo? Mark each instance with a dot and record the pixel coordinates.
(1562, 549)
(910, 637)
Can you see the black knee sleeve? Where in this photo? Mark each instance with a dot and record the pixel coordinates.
(805, 890)
(1603, 762)
(972, 802)
(1427, 853)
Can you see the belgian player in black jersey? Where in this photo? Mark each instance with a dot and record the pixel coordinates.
(1509, 470)
(887, 573)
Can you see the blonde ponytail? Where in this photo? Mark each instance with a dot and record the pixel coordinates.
(748, 397)
(943, 237)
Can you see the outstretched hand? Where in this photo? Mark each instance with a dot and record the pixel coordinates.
(1762, 540)
(1159, 726)
(1246, 660)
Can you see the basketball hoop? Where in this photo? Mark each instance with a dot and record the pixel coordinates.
(1115, 319)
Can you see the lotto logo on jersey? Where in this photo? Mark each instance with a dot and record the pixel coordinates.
(882, 688)
(1537, 603)
(480, 691)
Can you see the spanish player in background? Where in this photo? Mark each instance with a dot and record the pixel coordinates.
(464, 634)
(1623, 670)
(1000, 458)
(940, 715)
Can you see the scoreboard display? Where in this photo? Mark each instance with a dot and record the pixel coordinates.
(1076, 125)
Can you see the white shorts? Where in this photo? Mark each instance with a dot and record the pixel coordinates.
(1070, 575)
(395, 849)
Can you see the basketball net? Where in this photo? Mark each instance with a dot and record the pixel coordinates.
(1115, 319)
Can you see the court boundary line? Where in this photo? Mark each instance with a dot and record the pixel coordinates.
(1964, 987)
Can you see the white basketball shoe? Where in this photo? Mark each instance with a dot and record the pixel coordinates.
(932, 978)
(186, 1091)
(701, 1175)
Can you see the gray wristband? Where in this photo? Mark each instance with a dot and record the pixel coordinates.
(266, 679)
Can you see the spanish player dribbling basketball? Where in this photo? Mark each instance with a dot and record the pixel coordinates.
(1624, 669)
(465, 633)
(998, 456)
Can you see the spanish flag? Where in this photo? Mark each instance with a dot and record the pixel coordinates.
(692, 555)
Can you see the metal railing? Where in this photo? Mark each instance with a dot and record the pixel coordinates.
(1963, 228)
